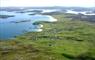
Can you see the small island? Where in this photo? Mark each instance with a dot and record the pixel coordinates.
(20, 21)
(6, 16)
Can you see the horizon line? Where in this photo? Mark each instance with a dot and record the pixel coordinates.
(48, 6)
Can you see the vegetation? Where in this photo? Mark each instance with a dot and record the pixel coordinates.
(66, 39)
(90, 18)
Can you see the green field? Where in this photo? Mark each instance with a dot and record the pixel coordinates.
(65, 39)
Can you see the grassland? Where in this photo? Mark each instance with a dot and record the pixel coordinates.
(66, 39)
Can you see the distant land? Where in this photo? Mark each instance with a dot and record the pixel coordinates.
(52, 7)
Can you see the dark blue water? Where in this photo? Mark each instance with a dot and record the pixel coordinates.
(9, 28)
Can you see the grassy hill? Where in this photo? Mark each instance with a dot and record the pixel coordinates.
(66, 39)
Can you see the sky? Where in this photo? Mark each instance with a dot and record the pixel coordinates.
(32, 3)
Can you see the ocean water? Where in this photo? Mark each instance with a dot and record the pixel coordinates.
(19, 24)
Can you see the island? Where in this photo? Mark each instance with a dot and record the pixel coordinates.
(20, 21)
(6, 16)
